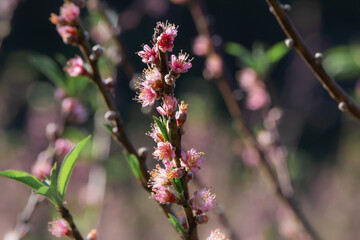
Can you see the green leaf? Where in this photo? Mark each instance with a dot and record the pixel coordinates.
(24, 178)
(68, 166)
(109, 128)
(240, 52)
(53, 177)
(277, 52)
(174, 221)
(162, 127)
(178, 185)
(76, 85)
(134, 164)
(50, 194)
(49, 68)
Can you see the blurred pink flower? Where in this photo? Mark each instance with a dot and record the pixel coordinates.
(150, 55)
(247, 79)
(163, 195)
(216, 235)
(250, 156)
(69, 34)
(168, 107)
(74, 110)
(42, 166)
(180, 64)
(164, 151)
(257, 98)
(201, 45)
(59, 228)
(191, 160)
(75, 67)
(63, 146)
(70, 12)
(203, 201)
(213, 65)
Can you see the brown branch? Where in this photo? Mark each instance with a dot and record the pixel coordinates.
(199, 14)
(346, 103)
(65, 214)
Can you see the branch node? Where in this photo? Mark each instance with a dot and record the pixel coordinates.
(111, 115)
(318, 57)
(289, 42)
(143, 152)
(343, 106)
(286, 7)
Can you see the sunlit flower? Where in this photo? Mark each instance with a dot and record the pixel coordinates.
(152, 78)
(180, 64)
(59, 228)
(150, 55)
(75, 67)
(163, 195)
(216, 235)
(181, 114)
(156, 133)
(203, 201)
(166, 40)
(164, 151)
(191, 160)
(68, 34)
(147, 95)
(159, 177)
(168, 107)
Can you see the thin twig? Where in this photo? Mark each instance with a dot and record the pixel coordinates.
(199, 13)
(119, 134)
(346, 103)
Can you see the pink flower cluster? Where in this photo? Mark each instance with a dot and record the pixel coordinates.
(257, 96)
(216, 235)
(178, 166)
(75, 67)
(155, 82)
(67, 21)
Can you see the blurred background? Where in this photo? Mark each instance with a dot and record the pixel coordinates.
(317, 142)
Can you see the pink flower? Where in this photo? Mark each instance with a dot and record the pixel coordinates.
(168, 107)
(166, 40)
(63, 146)
(159, 177)
(163, 195)
(213, 65)
(147, 95)
(247, 79)
(203, 201)
(176, 173)
(74, 110)
(257, 98)
(42, 166)
(150, 55)
(69, 34)
(164, 151)
(156, 133)
(75, 67)
(191, 160)
(250, 156)
(181, 114)
(180, 64)
(216, 235)
(201, 45)
(152, 78)
(70, 13)
(59, 228)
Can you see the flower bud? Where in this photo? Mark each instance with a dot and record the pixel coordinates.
(63, 146)
(52, 131)
(202, 218)
(59, 228)
(108, 82)
(92, 235)
(111, 115)
(169, 79)
(97, 51)
(143, 152)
